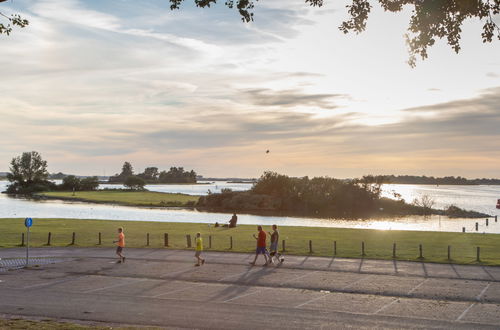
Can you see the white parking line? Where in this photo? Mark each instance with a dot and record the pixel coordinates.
(115, 285)
(480, 295)
(416, 287)
(177, 290)
(243, 295)
(51, 283)
(464, 312)
(386, 306)
(298, 277)
(356, 282)
(249, 271)
(311, 300)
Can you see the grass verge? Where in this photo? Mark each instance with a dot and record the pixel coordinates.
(378, 243)
(130, 198)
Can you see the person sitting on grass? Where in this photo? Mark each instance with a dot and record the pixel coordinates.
(261, 245)
(199, 249)
(120, 245)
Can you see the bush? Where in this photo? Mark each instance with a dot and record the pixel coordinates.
(134, 182)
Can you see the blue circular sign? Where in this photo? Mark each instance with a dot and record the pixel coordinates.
(28, 222)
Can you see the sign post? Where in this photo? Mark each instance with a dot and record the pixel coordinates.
(28, 222)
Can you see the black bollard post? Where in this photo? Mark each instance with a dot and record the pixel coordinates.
(463, 229)
(73, 238)
(496, 218)
(188, 240)
(420, 251)
(363, 248)
(477, 226)
(449, 252)
(283, 248)
(310, 246)
(210, 241)
(22, 239)
(334, 248)
(487, 221)
(230, 242)
(100, 238)
(478, 252)
(394, 250)
(49, 236)
(147, 239)
(165, 239)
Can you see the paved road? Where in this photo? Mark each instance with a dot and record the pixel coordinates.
(161, 287)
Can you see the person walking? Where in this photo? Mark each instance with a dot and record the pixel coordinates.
(199, 249)
(120, 245)
(275, 236)
(261, 245)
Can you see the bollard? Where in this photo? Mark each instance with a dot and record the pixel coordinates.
(49, 236)
(230, 242)
(73, 238)
(449, 252)
(22, 239)
(394, 250)
(477, 226)
(487, 221)
(478, 252)
(147, 239)
(363, 248)
(100, 240)
(463, 229)
(334, 248)
(310, 246)
(283, 246)
(420, 251)
(210, 241)
(496, 218)
(165, 239)
(188, 240)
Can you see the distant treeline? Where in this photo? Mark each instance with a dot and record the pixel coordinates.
(153, 175)
(413, 179)
(279, 194)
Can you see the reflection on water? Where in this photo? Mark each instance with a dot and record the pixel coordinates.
(472, 197)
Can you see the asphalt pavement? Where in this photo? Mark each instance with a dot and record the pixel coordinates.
(163, 288)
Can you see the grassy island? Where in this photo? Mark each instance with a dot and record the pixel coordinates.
(124, 197)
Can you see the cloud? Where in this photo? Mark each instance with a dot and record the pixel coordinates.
(289, 98)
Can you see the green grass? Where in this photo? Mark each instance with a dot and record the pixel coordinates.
(135, 198)
(378, 243)
(49, 325)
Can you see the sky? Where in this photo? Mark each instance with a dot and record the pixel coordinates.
(91, 84)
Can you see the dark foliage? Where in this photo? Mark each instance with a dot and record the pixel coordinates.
(413, 179)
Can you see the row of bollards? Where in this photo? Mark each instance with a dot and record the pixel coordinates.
(487, 222)
(283, 246)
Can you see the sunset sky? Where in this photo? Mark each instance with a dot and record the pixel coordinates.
(91, 84)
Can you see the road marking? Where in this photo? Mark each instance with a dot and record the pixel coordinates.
(115, 285)
(464, 312)
(480, 295)
(311, 300)
(179, 271)
(298, 277)
(248, 271)
(356, 282)
(243, 295)
(51, 283)
(386, 306)
(177, 290)
(417, 286)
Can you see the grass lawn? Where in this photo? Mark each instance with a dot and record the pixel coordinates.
(48, 325)
(135, 198)
(378, 243)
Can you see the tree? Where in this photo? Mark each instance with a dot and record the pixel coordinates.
(71, 183)
(28, 173)
(127, 170)
(89, 183)
(134, 182)
(430, 20)
(12, 20)
(150, 174)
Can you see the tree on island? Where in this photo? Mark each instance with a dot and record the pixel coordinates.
(73, 183)
(430, 19)
(134, 182)
(28, 173)
(152, 175)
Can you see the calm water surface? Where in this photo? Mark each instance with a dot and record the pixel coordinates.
(479, 198)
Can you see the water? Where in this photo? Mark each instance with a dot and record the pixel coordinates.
(479, 198)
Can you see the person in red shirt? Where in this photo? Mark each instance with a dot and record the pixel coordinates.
(261, 245)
